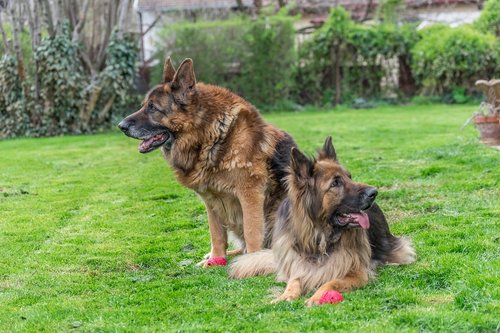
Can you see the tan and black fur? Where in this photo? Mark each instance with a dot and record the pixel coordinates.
(312, 248)
(219, 146)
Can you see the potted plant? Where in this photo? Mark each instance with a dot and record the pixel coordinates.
(487, 119)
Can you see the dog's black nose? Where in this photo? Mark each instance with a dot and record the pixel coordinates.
(370, 193)
(124, 125)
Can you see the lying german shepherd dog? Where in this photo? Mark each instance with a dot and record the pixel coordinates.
(329, 233)
(218, 146)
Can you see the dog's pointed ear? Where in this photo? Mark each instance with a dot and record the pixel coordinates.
(184, 78)
(168, 71)
(328, 151)
(301, 166)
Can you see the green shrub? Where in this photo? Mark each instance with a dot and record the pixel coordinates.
(70, 100)
(489, 21)
(367, 56)
(12, 105)
(253, 58)
(61, 77)
(446, 58)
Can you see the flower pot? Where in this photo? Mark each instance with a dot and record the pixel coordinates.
(489, 129)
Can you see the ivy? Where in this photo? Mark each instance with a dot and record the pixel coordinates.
(62, 80)
(12, 103)
(70, 101)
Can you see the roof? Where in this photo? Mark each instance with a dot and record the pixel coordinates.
(167, 5)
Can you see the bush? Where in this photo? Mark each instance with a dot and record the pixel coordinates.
(12, 106)
(489, 21)
(367, 55)
(253, 58)
(446, 58)
(70, 100)
(61, 77)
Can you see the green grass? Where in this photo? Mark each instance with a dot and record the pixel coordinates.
(95, 237)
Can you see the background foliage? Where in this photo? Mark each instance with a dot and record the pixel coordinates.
(367, 57)
(446, 58)
(66, 66)
(255, 59)
(66, 89)
(489, 21)
(74, 86)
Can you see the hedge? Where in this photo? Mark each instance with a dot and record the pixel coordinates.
(366, 55)
(254, 58)
(448, 58)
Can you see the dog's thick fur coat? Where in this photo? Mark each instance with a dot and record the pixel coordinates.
(218, 146)
(311, 248)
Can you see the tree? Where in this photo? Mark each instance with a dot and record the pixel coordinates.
(81, 68)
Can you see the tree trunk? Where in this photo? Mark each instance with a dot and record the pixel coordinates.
(101, 117)
(34, 23)
(239, 4)
(281, 3)
(258, 5)
(336, 55)
(122, 16)
(406, 82)
(49, 18)
(6, 44)
(16, 29)
(367, 11)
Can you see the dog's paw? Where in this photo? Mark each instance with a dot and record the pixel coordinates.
(326, 297)
(284, 297)
(214, 261)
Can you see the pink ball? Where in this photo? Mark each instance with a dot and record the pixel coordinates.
(331, 297)
(217, 261)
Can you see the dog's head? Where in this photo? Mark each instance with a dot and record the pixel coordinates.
(167, 110)
(326, 190)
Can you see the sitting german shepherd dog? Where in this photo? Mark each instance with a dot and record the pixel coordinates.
(218, 146)
(329, 233)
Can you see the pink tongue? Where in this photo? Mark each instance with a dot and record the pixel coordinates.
(362, 219)
(146, 144)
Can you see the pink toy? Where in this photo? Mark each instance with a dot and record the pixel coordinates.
(217, 261)
(331, 297)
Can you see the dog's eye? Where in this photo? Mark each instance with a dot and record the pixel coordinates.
(152, 108)
(337, 182)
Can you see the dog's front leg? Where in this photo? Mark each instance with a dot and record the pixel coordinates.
(293, 291)
(252, 205)
(348, 283)
(218, 237)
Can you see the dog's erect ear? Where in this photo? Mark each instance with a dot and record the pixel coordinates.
(184, 82)
(168, 71)
(302, 167)
(184, 78)
(328, 151)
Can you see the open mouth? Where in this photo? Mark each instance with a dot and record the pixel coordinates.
(153, 142)
(353, 220)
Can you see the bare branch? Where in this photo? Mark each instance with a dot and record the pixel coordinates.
(101, 54)
(152, 25)
(80, 21)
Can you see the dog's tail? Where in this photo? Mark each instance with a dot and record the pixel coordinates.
(252, 264)
(402, 252)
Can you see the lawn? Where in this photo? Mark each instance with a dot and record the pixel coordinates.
(95, 237)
